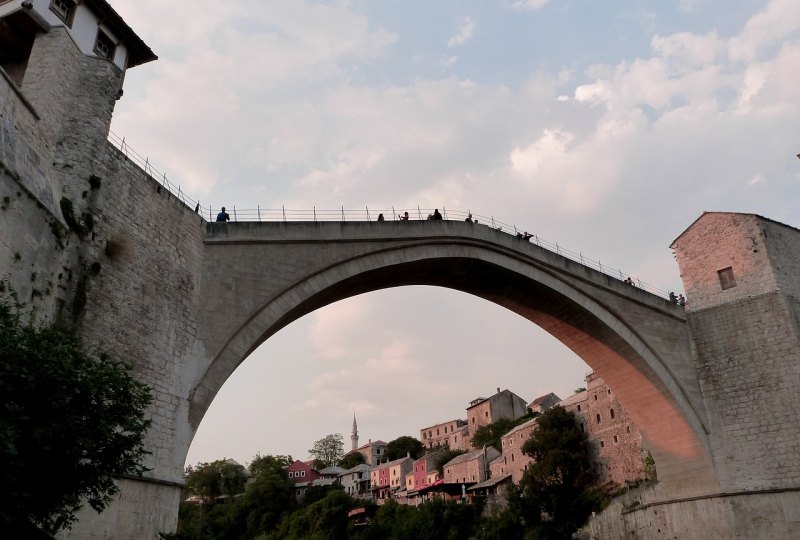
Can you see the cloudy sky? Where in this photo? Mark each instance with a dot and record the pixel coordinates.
(607, 127)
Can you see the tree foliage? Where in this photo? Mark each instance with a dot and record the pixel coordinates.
(558, 487)
(490, 435)
(71, 422)
(211, 480)
(351, 460)
(329, 449)
(403, 446)
(433, 520)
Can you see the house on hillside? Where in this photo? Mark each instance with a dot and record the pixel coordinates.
(301, 474)
(485, 411)
(373, 452)
(356, 481)
(470, 468)
(617, 445)
(515, 462)
(542, 403)
(388, 478)
(453, 434)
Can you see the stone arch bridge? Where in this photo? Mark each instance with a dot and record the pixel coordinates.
(259, 277)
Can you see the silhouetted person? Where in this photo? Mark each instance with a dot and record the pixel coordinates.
(436, 214)
(380, 217)
(469, 218)
(673, 298)
(223, 216)
(404, 217)
(197, 208)
(681, 300)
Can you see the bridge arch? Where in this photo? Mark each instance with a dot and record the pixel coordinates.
(637, 342)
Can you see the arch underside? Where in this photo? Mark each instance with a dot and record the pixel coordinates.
(613, 348)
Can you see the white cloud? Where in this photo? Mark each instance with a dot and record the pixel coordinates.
(466, 29)
(778, 21)
(529, 5)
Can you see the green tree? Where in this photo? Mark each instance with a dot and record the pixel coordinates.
(270, 498)
(490, 435)
(71, 422)
(558, 487)
(329, 449)
(269, 463)
(211, 480)
(351, 460)
(403, 446)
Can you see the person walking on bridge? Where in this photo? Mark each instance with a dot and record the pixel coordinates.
(223, 216)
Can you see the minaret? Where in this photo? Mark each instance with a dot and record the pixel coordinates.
(354, 434)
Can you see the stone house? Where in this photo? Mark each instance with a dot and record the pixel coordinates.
(470, 468)
(373, 452)
(542, 403)
(485, 411)
(616, 443)
(514, 461)
(452, 434)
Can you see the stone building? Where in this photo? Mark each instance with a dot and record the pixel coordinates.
(542, 403)
(484, 411)
(514, 462)
(373, 452)
(470, 468)
(453, 434)
(616, 443)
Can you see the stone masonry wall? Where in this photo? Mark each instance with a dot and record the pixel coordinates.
(720, 240)
(123, 265)
(748, 364)
(746, 344)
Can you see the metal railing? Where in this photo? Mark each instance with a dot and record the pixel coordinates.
(148, 168)
(372, 214)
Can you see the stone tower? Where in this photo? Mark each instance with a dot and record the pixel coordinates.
(354, 434)
(740, 272)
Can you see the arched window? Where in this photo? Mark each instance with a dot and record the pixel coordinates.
(598, 418)
(612, 414)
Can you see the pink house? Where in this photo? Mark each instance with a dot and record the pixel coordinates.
(423, 467)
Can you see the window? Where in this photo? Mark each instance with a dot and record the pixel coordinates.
(437, 431)
(628, 429)
(595, 397)
(302, 473)
(726, 278)
(291, 474)
(609, 391)
(103, 46)
(602, 444)
(64, 10)
(583, 429)
(512, 457)
(612, 414)
(598, 418)
(616, 440)
(579, 408)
